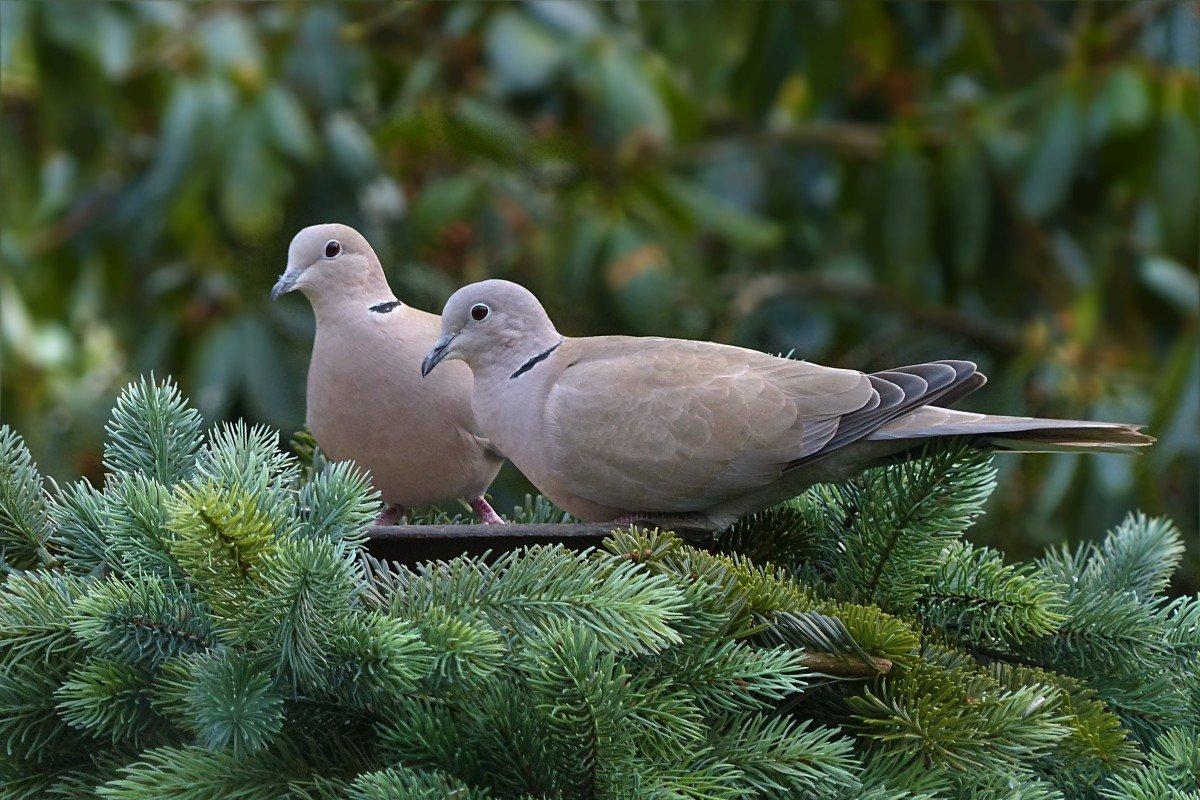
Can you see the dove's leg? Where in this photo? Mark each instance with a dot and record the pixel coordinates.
(391, 515)
(487, 515)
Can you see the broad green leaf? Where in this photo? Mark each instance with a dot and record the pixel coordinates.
(638, 274)
(59, 177)
(442, 201)
(287, 124)
(1176, 186)
(524, 56)
(1056, 153)
(968, 202)
(230, 43)
(350, 145)
(113, 41)
(264, 377)
(906, 218)
(710, 213)
(1126, 100)
(576, 20)
(253, 180)
(1173, 282)
(14, 38)
(624, 101)
(486, 130)
(215, 369)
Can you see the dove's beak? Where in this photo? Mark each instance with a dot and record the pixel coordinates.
(286, 282)
(438, 354)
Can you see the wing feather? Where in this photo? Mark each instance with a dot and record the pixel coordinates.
(672, 425)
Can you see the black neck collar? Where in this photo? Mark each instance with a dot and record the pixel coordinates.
(533, 362)
(386, 307)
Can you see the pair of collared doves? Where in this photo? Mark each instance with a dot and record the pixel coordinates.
(637, 428)
(366, 399)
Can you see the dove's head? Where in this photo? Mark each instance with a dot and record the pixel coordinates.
(492, 325)
(332, 262)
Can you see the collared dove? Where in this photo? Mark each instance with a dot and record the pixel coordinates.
(626, 428)
(366, 400)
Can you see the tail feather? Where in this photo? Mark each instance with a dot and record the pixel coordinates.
(1019, 434)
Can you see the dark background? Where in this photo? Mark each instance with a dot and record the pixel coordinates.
(865, 184)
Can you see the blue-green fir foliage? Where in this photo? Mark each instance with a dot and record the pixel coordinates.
(208, 624)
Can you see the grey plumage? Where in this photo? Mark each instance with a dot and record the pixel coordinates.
(366, 398)
(613, 426)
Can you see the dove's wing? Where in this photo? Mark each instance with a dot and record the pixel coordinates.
(671, 425)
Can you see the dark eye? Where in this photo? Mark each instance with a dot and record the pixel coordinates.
(332, 248)
(479, 311)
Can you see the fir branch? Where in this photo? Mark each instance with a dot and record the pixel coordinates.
(80, 515)
(537, 510)
(897, 519)
(372, 659)
(960, 719)
(152, 431)
(337, 504)
(767, 590)
(402, 783)
(602, 716)
(974, 597)
(1177, 756)
(136, 530)
(232, 702)
(110, 698)
(463, 649)
(778, 757)
(787, 533)
(626, 608)
(24, 522)
(198, 773)
(31, 729)
(299, 587)
(887, 775)
(733, 676)
(429, 733)
(140, 622)
(221, 539)
(1139, 556)
(1016, 785)
(1097, 742)
(247, 460)
(1145, 784)
(35, 619)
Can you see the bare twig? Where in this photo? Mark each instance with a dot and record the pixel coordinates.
(846, 666)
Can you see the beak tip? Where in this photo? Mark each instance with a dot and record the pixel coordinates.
(436, 355)
(285, 284)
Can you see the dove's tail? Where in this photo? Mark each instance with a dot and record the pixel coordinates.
(1019, 434)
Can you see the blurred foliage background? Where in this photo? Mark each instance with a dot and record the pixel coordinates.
(866, 184)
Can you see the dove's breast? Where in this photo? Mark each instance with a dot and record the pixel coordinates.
(368, 402)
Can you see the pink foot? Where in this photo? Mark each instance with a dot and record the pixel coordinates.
(391, 515)
(487, 515)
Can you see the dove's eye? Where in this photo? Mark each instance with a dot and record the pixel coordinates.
(479, 312)
(332, 248)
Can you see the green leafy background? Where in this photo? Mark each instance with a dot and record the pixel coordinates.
(863, 184)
